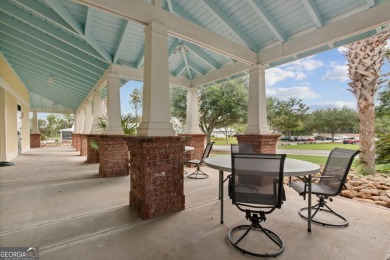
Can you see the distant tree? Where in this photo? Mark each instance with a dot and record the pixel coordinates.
(286, 116)
(136, 100)
(332, 119)
(178, 97)
(68, 120)
(223, 105)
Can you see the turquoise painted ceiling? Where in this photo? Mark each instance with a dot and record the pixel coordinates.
(61, 48)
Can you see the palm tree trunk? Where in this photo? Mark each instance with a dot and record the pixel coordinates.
(365, 59)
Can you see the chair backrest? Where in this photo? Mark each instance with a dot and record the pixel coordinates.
(338, 165)
(242, 148)
(207, 151)
(257, 180)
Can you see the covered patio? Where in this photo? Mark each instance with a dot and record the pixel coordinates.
(53, 200)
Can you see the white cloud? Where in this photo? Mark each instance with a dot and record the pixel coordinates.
(274, 75)
(306, 64)
(301, 92)
(387, 45)
(334, 104)
(342, 49)
(336, 72)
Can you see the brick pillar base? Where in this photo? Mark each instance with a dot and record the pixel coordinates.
(35, 140)
(84, 145)
(92, 154)
(156, 182)
(78, 142)
(261, 143)
(196, 141)
(113, 156)
(73, 140)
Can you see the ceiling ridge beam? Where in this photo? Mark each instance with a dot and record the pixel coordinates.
(196, 67)
(72, 21)
(264, 14)
(367, 20)
(314, 13)
(121, 40)
(202, 55)
(50, 30)
(144, 13)
(186, 62)
(181, 69)
(216, 11)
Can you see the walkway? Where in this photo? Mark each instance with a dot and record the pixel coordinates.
(53, 200)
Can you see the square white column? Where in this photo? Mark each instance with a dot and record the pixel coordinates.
(81, 120)
(96, 112)
(257, 103)
(114, 124)
(156, 104)
(88, 118)
(35, 129)
(192, 119)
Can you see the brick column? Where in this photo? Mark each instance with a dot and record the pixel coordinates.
(92, 154)
(74, 140)
(78, 142)
(156, 183)
(261, 143)
(35, 140)
(196, 141)
(113, 156)
(84, 145)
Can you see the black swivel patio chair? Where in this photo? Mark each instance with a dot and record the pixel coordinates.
(262, 196)
(198, 173)
(331, 183)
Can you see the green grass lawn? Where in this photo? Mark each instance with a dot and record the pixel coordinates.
(321, 160)
(322, 146)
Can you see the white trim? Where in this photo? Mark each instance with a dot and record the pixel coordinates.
(11, 90)
(3, 132)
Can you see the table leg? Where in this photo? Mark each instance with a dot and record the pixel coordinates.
(221, 192)
(309, 205)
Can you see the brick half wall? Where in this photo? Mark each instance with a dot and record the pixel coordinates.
(261, 143)
(35, 140)
(113, 156)
(156, 175)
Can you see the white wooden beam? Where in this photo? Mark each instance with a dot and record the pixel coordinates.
(221, 73)
(120, 44)
(340, 30)
(144, 13)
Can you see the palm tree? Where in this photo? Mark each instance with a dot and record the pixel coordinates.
(365, 59)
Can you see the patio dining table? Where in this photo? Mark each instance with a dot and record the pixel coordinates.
(292, 167)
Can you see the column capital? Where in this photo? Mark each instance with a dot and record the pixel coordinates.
(113, 76)
(255, 68)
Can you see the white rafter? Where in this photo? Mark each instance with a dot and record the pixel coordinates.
(313, 12)
(262, 11)
(72, 21)
(120, 43)
(216, 11)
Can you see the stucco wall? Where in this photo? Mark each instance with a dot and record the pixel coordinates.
(13, 93)
(2, 125)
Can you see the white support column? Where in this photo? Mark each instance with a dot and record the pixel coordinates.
(156, 104)
(88, 118)
(35, 129)
(97, 112)
(81, 120)
(192, 121)
(76, 123)
(257, 103)
(114, 126)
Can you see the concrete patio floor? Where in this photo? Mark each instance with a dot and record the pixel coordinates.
(53, 200)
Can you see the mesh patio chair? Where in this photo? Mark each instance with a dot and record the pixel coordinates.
(331, 183)
(260, 197)
(198, 173)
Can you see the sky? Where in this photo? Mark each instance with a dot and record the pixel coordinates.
(321, 81)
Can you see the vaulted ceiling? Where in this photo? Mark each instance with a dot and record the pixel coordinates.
(61, 48)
